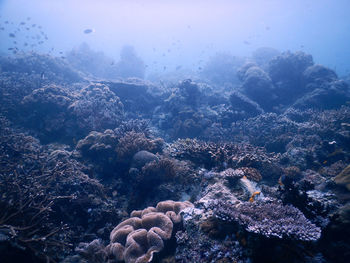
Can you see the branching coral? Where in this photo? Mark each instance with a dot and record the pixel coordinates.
(41, 191)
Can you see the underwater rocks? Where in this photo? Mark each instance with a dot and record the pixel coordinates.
(140, 98)
(262, 56)
(243, 107)
(343, 178)
(258, 86)
(45, 67)
(221, 68)
(58, 114)
(292, 80)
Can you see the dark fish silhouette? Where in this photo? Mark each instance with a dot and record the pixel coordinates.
(22, 23)
(28, 18)
(34, 25)
(12, 35)
(88, 31)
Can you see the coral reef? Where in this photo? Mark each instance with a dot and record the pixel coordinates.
(221, 68)
(269, 219)
(143, 234)
(47, 200)
(97, 108)
(260, 146)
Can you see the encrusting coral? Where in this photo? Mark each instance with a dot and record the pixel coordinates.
(136, 239)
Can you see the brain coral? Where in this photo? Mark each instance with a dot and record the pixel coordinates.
(136, 239)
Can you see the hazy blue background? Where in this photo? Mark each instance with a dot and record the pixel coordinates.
(187, 32)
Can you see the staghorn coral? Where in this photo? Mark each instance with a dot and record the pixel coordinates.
(136, 239)
(269, 219)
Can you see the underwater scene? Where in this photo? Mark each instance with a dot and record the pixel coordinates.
(171, 131)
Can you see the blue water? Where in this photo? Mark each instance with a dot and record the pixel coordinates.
(167, 34)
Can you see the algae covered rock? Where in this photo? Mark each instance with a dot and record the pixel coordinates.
(344, 178)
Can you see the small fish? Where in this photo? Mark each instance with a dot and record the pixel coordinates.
(25, 44)
(332, 142)
(39, 27)
(15, 42)
(325, 162)
(42, 75)
(60, 52)
(2, 28)
(199, 68)
(178, 67)
(63, 57)
(164, 68)
(88, 31)
(6, 22)
(27, 28)
(267, 28)
(12, 35)
(10, 48)
(34, 25)
(22, 23)
(246, 42)
(28, 18)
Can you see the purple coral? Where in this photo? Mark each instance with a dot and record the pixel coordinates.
(270, 219)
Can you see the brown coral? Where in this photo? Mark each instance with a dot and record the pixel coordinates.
(136, 239)
(133, 142)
